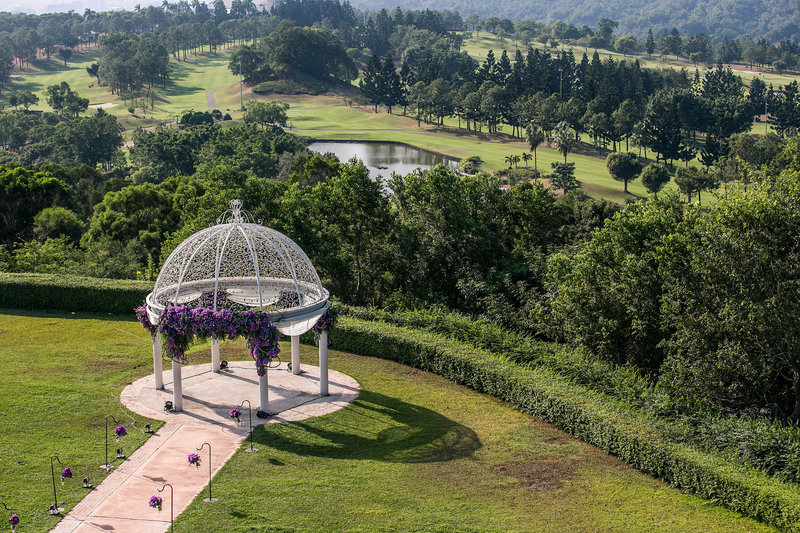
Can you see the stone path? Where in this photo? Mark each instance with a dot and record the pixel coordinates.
(120, 502)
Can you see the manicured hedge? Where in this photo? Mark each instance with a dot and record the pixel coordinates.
(71, 293)
(588, 415)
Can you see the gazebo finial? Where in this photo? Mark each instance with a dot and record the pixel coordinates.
(235, 214)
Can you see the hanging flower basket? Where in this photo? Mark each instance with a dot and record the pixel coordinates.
(13, 522)
(120, 432)
(66, 474)
(236, 414)
(156, 502)
(194, 459)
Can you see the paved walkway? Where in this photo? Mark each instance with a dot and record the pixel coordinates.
(120, 502)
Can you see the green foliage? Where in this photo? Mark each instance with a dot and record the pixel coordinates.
(734, 309)
(64, 100)
(608, 295)
(265, 113)
(563, 176)
(289, 87)
(654, 177)
(316, 52)
(24, 193)
(71, 293)
(56, 221)
(624, 167)
(589, 416)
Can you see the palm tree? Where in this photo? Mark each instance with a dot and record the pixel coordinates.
(564, 138)
(515, 160)
(509, 160)
(535, 136)
(526, 157)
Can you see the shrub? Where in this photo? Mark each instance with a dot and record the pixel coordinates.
(71, 293)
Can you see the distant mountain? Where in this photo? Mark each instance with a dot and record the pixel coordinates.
(774, 19)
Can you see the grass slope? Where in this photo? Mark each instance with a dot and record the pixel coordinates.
(416, 452)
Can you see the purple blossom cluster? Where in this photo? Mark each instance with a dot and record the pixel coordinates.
(120, 432)
(14, 521)
(235, 414)
(156, 502)
(325, 322)
(180, 325)
(194, 459)
(66, 473)
(144, 319)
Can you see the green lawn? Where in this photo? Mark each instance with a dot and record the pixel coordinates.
(416, 452)
(62, 374)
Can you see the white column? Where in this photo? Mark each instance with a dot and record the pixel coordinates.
(323, 363)
(157, 368)
(215, 355)
(177, 387)
(295, 354)
(263, 394)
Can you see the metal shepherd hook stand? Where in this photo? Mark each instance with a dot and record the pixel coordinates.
(171, 515)
(55, 509)
(250, 416)
(14, 518)
(209, 499)
(108, 466)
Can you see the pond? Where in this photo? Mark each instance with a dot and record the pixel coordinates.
(383, 158)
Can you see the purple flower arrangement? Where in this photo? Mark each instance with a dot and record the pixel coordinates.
(120, 432)
(13, 521)
(144, 319)
(194, 459)
(156, 502)
(236, 414)
(180, 325)
(325, 322)
(66, 474)
(175, 325)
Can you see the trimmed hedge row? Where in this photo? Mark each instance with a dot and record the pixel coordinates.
(71, 293)
(579, 366)
(588, 415)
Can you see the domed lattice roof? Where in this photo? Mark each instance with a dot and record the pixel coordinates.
(238, 260)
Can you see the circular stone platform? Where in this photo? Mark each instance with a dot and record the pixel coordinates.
(208, 396)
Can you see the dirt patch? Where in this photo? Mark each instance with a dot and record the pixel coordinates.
(411, 374)
(107, 105)
(540, 472)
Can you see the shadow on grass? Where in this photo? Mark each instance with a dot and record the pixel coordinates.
(375, 427)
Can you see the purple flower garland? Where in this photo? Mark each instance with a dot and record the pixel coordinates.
(325, 322)
(144, 319)
(180, 325)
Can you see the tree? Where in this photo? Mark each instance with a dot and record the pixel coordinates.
(93, 70)
(624, 167)
(63, 100)
(526, 157)
(26, 99)
(735, 348)
(654, 177)
(534, 137)
(563, 176)
(23, 193)
(692, 179)
(65, 54)
(265, 113)
(663, 125)
(672, 43)
(625, 44)
(57, 221)
(564, 139)
(650, 44)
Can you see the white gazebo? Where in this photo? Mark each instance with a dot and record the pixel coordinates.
(251, 265)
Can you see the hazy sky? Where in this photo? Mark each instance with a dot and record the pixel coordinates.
(47, 6)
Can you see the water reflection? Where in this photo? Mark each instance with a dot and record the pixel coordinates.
(383, 158)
